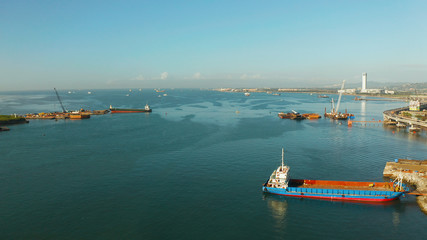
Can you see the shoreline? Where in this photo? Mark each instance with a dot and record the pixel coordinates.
(402, 97)
(412, 172)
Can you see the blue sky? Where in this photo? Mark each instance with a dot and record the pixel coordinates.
(122, 44)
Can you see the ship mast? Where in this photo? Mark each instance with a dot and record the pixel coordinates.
(283, 157)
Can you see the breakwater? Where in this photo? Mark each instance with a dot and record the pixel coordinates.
(413, 172)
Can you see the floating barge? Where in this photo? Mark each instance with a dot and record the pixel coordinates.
(279, 183)
(294, 115)
(130, 110)
(78, 115)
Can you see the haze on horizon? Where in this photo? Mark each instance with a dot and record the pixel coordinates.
(149, 44)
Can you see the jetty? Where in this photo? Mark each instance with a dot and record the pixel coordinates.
(413, 172)
(394, 117)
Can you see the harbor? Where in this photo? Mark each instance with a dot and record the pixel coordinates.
(118, 166)
(415, 119)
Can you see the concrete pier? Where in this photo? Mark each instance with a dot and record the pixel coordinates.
(413, 172)
(393, 115)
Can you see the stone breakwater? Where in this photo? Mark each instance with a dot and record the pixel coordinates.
(413, 172)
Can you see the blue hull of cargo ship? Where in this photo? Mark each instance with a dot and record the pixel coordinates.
(335, 194)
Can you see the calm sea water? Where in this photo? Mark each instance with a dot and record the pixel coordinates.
(193, 168)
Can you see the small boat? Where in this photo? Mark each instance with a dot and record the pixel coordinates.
(130, 110)
(280, 183)
(3, 129)
(311, 115)
(413, 128)
(322, 96)
(283, 115)
(247, 94)
(340, 116)
(294, 115)
(389, 122)
(400, 125)
(100, 112)
(78, 115)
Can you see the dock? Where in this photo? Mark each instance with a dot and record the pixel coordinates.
(393, 116)
(413, 172)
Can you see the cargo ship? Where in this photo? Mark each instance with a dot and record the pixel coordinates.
(279, 183)
(130, 110)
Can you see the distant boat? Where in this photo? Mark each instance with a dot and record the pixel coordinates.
(280, 183)
(311, 115)
(158, 90)
(247, 94)
(130, 110)
(78, 115)
(4, 129)
(400, 125)
(89, 92)
(412, 128)
(322, 96)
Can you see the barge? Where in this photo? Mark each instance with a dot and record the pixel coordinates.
(130, 110)
(280, 183)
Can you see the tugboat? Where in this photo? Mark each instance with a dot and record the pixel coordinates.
(280, 183)
(296, 116)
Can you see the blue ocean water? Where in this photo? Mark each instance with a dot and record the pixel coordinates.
(193, 168)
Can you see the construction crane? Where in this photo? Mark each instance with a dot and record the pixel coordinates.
(339, 98)
(63, 109)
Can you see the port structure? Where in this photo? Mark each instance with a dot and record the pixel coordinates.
(350, 122)
(393, 115)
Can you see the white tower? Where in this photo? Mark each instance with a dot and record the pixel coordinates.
(364, 81)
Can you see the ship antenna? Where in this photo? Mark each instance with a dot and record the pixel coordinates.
(283, 157)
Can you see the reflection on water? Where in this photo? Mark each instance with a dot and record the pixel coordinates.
(278, 208)
(396, 218)
(363, 109)
(403, 133)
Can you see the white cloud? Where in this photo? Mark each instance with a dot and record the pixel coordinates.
(197, 75)
(164, 75)
(255, 76)
(139, 78)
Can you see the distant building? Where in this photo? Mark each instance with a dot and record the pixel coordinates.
(373, 91)
(388, 92)
(250, 89)
(364, 82)
(350, 91)
(414, 105)
(288, 90)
